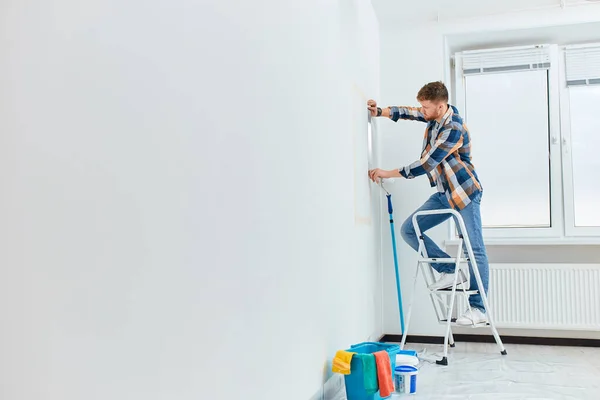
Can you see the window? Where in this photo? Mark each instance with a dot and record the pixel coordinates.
(509, 99)
(585, 142)
(581, 140)
(507, 114)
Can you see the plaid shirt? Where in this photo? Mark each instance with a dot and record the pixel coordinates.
(448, 159)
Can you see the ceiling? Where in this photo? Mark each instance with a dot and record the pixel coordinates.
(394, 12)
(561, 35)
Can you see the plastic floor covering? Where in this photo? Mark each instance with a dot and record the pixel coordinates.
(477, 371)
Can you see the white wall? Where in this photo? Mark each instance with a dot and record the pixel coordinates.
(404, 70)
(410, 57)
(177, 214)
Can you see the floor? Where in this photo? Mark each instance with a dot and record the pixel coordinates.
(477, 371)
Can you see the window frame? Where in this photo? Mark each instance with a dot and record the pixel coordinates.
(556, 228)
(571, 230)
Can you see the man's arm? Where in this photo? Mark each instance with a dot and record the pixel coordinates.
(395, 113)
(447, 142)
(411, 113)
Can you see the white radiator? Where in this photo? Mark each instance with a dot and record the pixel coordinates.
(545, 296)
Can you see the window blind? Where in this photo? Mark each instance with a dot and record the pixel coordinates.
(505, 60)
(583, 65)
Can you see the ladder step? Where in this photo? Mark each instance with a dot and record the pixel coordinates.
(458, 291)
(453, 323)
(441, 260)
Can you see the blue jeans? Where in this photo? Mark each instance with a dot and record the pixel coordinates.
(472, 218)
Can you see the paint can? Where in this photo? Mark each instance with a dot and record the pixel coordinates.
(405, 379)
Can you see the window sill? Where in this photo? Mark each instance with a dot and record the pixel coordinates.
(576, 241)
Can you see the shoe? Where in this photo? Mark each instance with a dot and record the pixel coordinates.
(446, 280)
(473, 316)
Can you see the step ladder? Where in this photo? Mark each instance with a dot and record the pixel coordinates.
(443, 300)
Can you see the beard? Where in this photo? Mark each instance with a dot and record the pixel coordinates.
(433, 117)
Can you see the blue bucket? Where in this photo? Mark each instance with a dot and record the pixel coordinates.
(355, 384)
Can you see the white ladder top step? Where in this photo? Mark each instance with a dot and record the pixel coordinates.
(441, 260)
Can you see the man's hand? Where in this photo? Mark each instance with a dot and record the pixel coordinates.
(372, 107)
(376, 174)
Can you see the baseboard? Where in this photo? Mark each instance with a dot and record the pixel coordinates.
(544, 341)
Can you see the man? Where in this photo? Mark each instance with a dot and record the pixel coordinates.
(446, 160)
